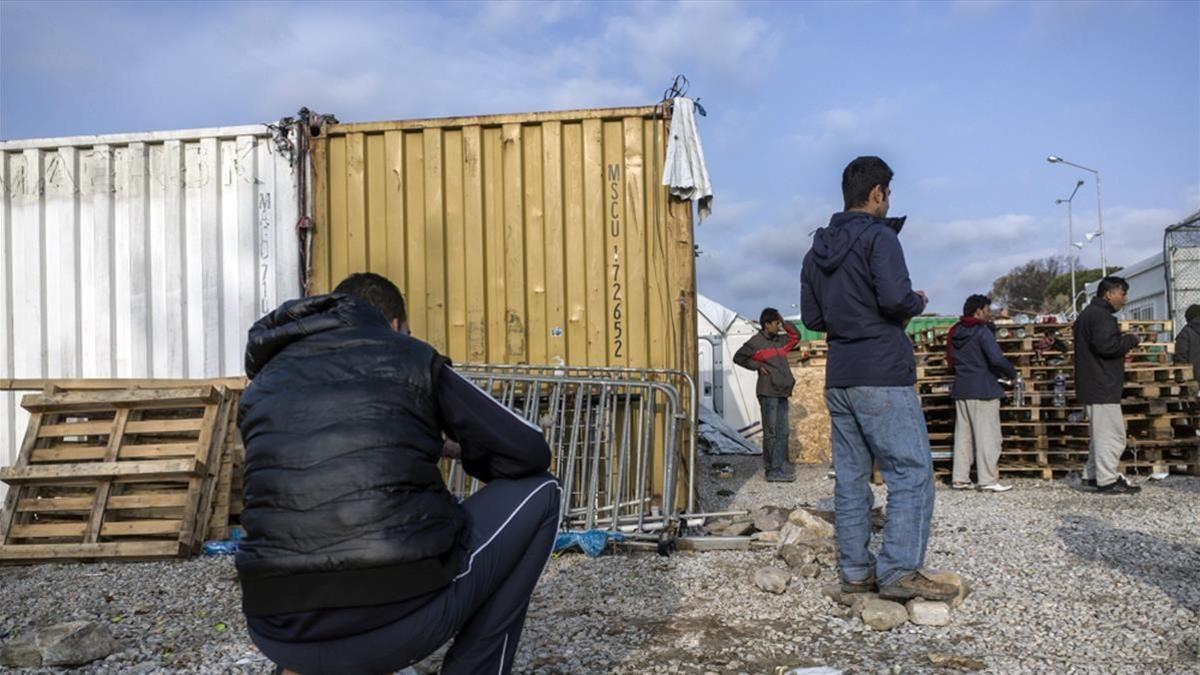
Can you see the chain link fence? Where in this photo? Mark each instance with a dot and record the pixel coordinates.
(1181, 253)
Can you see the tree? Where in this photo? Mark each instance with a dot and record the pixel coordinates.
(1025, 286)
(1058, 291)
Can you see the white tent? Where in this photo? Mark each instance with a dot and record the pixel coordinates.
(725, 388)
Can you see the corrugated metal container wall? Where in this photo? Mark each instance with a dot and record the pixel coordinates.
(139, 255)
(540, 238)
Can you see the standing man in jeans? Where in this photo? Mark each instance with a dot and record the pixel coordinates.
(1100, 351)
(855, 287)
(766, 352)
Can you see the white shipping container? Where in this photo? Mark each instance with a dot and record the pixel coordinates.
(139, 255)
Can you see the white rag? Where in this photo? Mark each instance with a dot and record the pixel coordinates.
(685, 172)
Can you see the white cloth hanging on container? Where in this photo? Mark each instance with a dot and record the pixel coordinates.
(685, 172)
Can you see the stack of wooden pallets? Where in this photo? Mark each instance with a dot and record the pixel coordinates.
(813, 353)
(123, 473)
(1046, 440)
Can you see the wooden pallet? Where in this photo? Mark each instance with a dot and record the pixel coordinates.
(129, 474)
(1042, 439)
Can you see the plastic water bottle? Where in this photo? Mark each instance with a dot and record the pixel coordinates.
(1060, 390)
(1019, 391)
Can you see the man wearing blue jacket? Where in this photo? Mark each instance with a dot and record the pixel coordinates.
(975, 358)
(854, 286)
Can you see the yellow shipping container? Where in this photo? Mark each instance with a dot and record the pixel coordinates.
(537, 238)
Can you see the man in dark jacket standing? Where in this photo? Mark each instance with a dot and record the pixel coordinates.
(1100, 351)
(767, 353)
(1187, 343)
(356, 558)
(855, 287)
(975, 358)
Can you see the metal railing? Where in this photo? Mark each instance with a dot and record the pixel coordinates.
(683, 383)
(605, 428)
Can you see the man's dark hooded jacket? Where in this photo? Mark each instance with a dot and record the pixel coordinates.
(1187, 346)
(344, 503)
(1100, 350)
(976, 361)
(855, 287)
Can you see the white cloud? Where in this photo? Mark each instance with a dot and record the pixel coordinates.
(861, 124)
(671, 38)
(1009, 227)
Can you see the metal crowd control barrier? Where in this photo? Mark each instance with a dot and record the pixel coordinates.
(683, 383)
(603, 427)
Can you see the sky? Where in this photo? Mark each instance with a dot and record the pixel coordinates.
(963, 99)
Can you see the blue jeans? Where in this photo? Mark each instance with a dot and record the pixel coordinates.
(884, 424)
(775, 435)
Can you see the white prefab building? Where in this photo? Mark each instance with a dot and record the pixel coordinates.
(139, 255)
(726, 388)
(1147, 290)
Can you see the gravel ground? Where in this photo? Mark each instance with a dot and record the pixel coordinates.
(1064, 581)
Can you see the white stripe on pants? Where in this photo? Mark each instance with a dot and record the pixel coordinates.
(976, 438)
(1106, 426)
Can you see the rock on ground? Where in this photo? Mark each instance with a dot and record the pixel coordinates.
(884, 614)
(796, 555)
(770, 518)
(772, 579)
(924, 613)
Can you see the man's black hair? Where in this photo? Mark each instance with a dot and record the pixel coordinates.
(1111, 283)
(768, 315)
(1192, 312)
(975, 303)
(861, 176)
(377, 291)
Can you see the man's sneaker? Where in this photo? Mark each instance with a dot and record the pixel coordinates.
(917, 585)
(961, 486)
(867, 585)
(1118, 487)
(1088, 482)
(994, 487)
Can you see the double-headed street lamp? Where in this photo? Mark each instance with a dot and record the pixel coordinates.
(1054, 159)
(1071, 241)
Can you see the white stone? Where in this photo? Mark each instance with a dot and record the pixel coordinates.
(925, 613)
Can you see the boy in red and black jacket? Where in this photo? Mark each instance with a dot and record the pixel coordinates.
(766, 353)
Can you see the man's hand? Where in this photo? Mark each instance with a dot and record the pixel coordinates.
(451, 450)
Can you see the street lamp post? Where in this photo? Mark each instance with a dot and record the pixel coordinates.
(1054, 159)
(1071, 242)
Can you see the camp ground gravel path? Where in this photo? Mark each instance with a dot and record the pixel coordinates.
(1064, 581)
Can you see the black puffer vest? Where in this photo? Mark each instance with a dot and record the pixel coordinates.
(344, 503)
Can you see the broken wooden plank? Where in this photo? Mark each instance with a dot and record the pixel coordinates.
(41, 384)
(12, 553)
(74, 401)
(68, 473)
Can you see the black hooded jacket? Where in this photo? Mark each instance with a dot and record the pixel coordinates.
(854, 285)
(1100, 350)
(344, 502)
